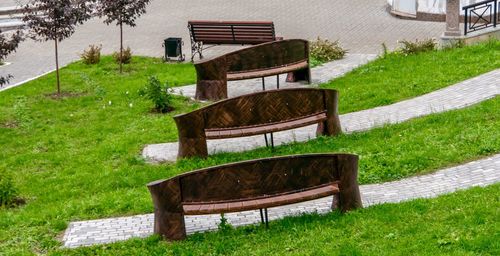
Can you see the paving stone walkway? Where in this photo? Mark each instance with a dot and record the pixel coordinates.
(478, 173)
(320, 74)
(457, 96)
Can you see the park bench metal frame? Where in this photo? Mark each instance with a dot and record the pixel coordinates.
(259, 61)
(255, 114)
(251, 185)
(203, 32)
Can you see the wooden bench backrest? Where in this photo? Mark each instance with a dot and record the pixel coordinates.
(268, 55)
(232, 32)
(260, 108)
(259, 178)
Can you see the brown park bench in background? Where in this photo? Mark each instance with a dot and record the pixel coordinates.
(256, 114)
(259, 61)
(251, 185)
(204, 33)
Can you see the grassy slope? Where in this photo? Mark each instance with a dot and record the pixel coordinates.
(464, 223)
(77, 158)
(395, 78)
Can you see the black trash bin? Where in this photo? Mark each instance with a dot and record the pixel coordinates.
(173, 48)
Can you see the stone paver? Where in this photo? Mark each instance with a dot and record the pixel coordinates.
(457, 96)
(320, 74)
(478, 173)
(361, 26)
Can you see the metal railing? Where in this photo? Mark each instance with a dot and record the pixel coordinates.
(481, 15)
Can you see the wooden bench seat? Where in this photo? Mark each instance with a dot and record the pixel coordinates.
(268, 59)
(261, 203)
(251, 185)
(258, 113)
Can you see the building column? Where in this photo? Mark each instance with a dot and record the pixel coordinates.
(452, 18)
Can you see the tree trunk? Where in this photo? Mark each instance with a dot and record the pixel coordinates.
(121, 48)
(57, 69)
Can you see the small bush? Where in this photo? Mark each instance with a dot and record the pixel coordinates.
(125, 58)
(159, 94)
(8, 193)
(325, 50)
(409, 47)
(92, 55)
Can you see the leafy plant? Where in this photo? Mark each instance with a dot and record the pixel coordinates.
(124, 57)
(8, 193)
(224, 225)
(324, 50)
(159, 94)
(92, 55)
(409, 47)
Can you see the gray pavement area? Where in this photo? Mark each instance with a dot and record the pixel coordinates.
(360, 26)
(478, 173)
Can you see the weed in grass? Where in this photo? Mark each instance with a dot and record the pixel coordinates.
(409, 47)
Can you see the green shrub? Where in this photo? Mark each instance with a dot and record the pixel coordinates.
(408, 47)
(8, 193)
(92, 55)
(325, 50)
(125, 58)
(159, 94)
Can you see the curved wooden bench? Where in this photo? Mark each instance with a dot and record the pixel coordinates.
(267, 59)
(258, 113)
(252, 185)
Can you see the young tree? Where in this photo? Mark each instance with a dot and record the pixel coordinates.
(122, 12)
(55, 20)
(8, 45)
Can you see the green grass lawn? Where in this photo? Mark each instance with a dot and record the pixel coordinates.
(396, 77)
(77, 158)
(463, 223)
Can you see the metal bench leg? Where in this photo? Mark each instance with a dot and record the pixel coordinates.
(267, 142)
(267, 218)
(272, 141)
(263, 84)
(278, 81)
(261, 216)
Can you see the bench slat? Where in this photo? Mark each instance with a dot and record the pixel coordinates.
(260, 203)
(266, 72)
(267, 128)
(237, 32)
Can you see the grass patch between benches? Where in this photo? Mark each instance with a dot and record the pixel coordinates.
(463, 223)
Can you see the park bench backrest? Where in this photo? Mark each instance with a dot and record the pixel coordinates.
(268, 55)
(256, 179)
(232, 32)
(265, 108)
